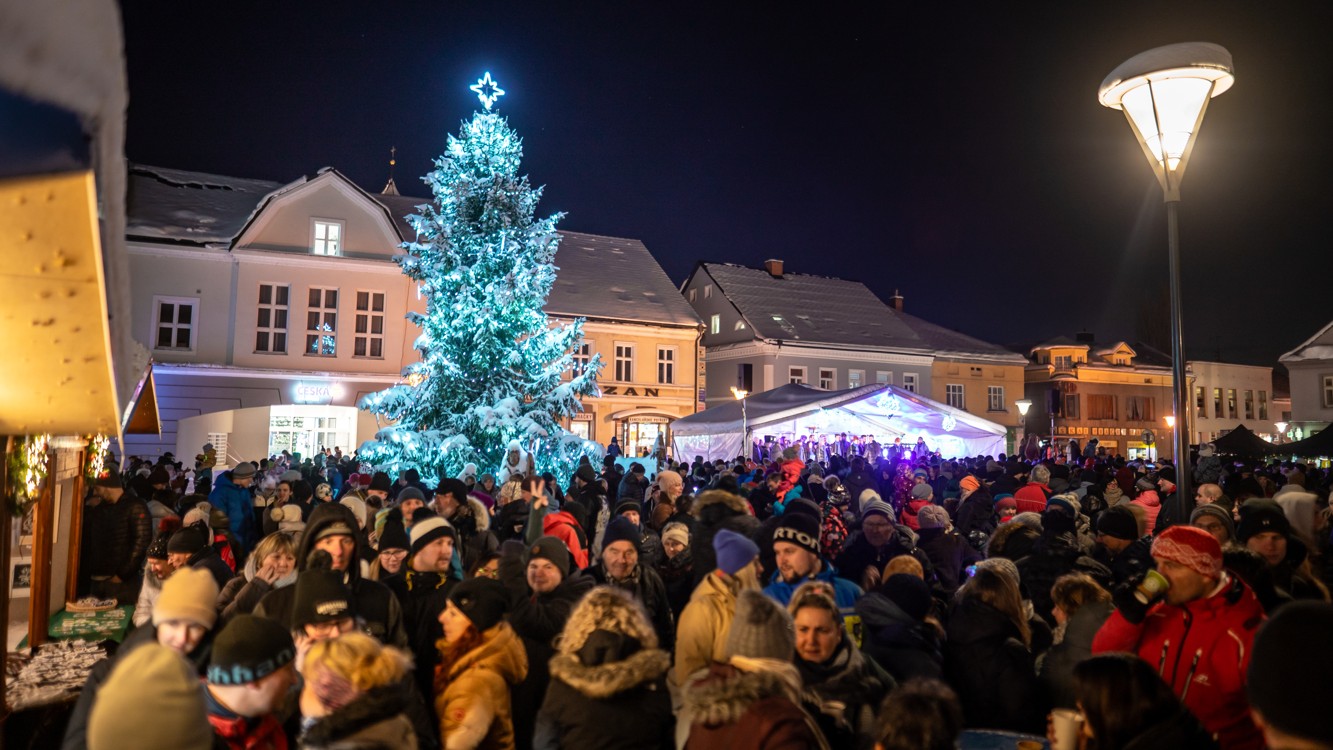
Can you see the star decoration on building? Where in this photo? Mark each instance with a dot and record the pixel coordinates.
(487, 91)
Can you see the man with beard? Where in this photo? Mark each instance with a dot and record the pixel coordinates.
(422, 588)
(879, 540)
(796, 545)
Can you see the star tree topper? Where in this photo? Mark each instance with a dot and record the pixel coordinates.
(487, 91)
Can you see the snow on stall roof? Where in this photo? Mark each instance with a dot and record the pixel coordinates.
(190, 207)
(614, 278)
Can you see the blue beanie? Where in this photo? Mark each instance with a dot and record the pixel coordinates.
(734, 551)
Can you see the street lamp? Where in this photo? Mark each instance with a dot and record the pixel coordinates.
(1164, 93)
(1281, 432)
(740, 395)
(1023, 406)
(1171, 425)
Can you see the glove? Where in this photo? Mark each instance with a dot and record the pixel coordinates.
(1123, 596)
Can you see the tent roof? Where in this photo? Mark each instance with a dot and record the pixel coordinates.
(1318, 444)
(1242, 442)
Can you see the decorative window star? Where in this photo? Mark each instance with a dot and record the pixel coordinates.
(487, 91)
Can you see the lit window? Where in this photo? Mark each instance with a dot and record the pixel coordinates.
(796, 375)
(694, 295)
(954, 395)
(1231, 403)
(271, 324)
(1199, 404)
(1249, 404)
(715, 324)
(1217, 401)
(827, 379)
(328, 238)
(369, 339)
(708, 291)
(995, 398)
(322, 322)
(666, 364)
(625, 363)
(1263, 404)
(175, 323)
(856, 378)
(909, 381)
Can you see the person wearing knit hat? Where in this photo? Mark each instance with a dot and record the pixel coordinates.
(482, 601)
(623, 565)
(1205, 622)
(1215, 520)
(675, 538)
(553, 551)
(322, 607)
(1285, 663)
(394, 545)
(761, 629)
(156, 571)
(189, 547)
(620, 529)
(796, 548)
(1119, 546)
(735, 552)
(1006, 507)
(186, 609)
(933, 517)
(430, 529)
(483, 663)
(422, 587)
(410, 499)
(152, 701)
(250, 674)
(1262, 516)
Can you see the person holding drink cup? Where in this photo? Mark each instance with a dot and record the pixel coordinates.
(1193, 624)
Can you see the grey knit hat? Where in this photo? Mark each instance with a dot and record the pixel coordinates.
(761, 629)
(1218, 512)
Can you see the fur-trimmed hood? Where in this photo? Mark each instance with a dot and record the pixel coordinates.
(724, 694)
(1012, 540)
(718, 500)
(374, 720)
(612, 678)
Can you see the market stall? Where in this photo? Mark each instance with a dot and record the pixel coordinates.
(794, 411)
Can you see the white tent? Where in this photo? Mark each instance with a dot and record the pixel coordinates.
(885, 411)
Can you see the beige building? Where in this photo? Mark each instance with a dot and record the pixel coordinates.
(1227, 395)
(270, 310)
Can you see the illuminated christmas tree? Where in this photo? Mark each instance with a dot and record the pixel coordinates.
(493, 368)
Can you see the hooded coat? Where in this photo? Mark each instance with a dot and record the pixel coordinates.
(732, 709)
(376, 719)
(715, 510)
(373, 602)
(474, 708)
(242, 594)
(701, 632)
(238, 503)
(1152, 506)
(472, 524)
(906, 648)
(993, 673)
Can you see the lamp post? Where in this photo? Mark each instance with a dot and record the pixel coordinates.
(1023, 406)
(1171, 425)
(745, 429)
(1164, 93)
(1281, 432)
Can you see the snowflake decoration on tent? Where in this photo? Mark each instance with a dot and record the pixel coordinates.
(488, 91)
(889, 403)
(949, 423)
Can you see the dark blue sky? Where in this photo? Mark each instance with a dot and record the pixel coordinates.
(954, 151)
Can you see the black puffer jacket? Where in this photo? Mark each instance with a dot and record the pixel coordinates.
(123, 530)
(993, 673)
(1055, 555)
(422, 596)
(976, 514)
(858, 554)
(904, 647)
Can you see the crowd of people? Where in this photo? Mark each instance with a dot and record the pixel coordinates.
(848, 602)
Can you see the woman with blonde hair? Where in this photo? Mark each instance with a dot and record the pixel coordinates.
(356, 695)
(987, 657)
(271, 566)
(481, 659)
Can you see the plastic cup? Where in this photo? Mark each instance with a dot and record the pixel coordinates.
(1154, 585)
(1068, 725)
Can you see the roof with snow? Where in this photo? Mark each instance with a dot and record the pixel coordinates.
(195, 208)
(1317, 347)
(614, 278)
(839, 312)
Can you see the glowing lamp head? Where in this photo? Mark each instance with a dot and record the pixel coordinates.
(1164, 93)
(1171, 421)
(1023, 407)
(1281, 427)
(739, 394)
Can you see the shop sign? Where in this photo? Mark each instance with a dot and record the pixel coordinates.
(582, 417)
(315, 392)
(648, 420)
(614, 390)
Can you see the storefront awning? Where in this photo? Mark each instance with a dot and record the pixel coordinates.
(629, 413)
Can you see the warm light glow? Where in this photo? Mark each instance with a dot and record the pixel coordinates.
(739, 394)
(1281, 427)
(1023, 407)
(1165, 113)
(1171, 421)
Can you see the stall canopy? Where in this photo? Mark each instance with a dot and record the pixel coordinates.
(1242, 442)
(1318, 444)
(885, 411)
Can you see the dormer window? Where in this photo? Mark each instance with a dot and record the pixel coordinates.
(327, 237)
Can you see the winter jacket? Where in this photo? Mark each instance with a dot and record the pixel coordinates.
(537, 619)
(845, 594)
(374, 720)
(1131, 562)
(242, 594)
(648, 590)
(701, 631)
(677, 574)
(1203, 645)
(422, 597)
(207, 559)
(1152, 506)
(858, 555)
(1075, 645)
(474, 708)
(949, 553)
(752, 710)
(472, 524)
(908, 515)
(148, 593)
(373, 603)
(1032, 497)
(1208, 470)
(848, 678)
(712, 511)
(904, 647)
(616, 705)
(993, 673)
(238, 503)
(791, 470)
(240, 733)
(1055, 555)
(123, 530)
(857, 482)
(1179, 732)
(976, 514)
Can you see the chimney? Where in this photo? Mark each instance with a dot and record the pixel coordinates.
(896, 301)
(774, 267)
(1085, 337)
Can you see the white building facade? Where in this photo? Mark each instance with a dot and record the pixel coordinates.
(1227, 396)
(1310, 368)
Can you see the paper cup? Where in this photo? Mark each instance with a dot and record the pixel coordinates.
(1068, 724)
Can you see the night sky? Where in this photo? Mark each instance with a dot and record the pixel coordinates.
(954, 152)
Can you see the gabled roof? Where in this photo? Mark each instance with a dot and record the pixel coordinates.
(1060, 342)
(946, 341)
(194, 208)
(614, 278)
(1317, 347)
(812, 309)
(326, 175)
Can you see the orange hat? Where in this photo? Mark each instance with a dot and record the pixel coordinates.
(970, 483)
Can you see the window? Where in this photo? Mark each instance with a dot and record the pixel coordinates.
(694, 294)
(975, 371)
(827, 379)
(1249, 404)
(1328, 391)
(995, 398)
(1199, 404)
(1217, 404)
(582, 356)
(321, 322)
(666, 364)
(796, 375)
(745, 377)
(909, 381)
(708, 291)
(954, 395)
(271, 326)
(1071, 406)
(1263, 404)
(715, 324)
(328, 237)
(175, 323)
(884, 377)
(1101, 407)
(1231, 403)
(625, 363)
(740, 325)
(1064, 362)
(856, 378)
(369, 340)
(1139, 409)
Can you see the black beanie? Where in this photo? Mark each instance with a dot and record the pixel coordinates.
(910, 593)
(320, 594)
(1287, 660)
(551, 548)
(1259, 515)
(628, 505)
(621, 530)
(187, 540)
(380, 481)
(394, 536)
(483, 600)
(248, 649)
(799, 529)
(158, 549)
(1118, 522)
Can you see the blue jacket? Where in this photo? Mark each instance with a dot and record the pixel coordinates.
(238, 503)
(845, 594)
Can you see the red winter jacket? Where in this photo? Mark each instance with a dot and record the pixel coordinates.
(791, 474)
(1032, 497)
(908, 516)
(1151, 504)
(266, 734)
(1202, 650)
(562, 526)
